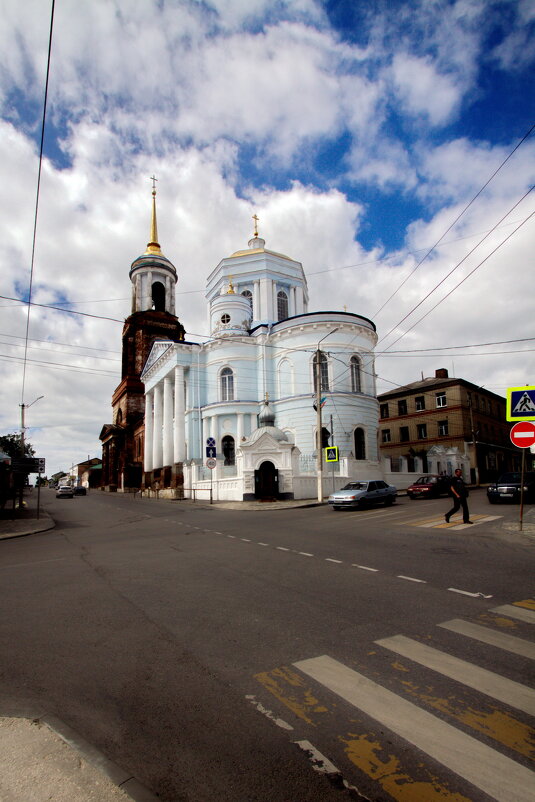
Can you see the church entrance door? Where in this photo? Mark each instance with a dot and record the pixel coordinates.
(266, 481)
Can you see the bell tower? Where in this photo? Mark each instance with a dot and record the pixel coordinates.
(153, 317)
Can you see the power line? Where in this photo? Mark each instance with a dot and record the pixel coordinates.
(422, 260)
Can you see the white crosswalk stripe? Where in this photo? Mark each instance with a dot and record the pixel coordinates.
(501, 777)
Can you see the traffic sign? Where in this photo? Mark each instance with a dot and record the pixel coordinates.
(331, 454)
(210, 442)
(520, 404)
(42, 464)
(523, 434)
(211, 452)
(26, 464)
(211, 463)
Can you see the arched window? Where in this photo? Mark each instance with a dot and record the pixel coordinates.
(227, 446)
(227, 385)
(249, 295)
(120, 417)
(324, 373)
(354, 364)
(360, 444)
(282, 305)
(158, 296)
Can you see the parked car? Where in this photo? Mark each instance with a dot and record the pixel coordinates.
(64, 491)
(507, 488)
(429, 486)
(80, 491)
(361, 494)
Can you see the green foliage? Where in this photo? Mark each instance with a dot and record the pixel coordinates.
(10, 445)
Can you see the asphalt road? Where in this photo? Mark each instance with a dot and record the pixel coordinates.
(234, 655)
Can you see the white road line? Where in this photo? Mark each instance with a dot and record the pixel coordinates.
(412, 579)
(501, 640)
(305, 554)
(330, 560)
(468, 593)
(268, 714)
(493, 685)
(245, 539)
(232, 536)
(496, 775)
(528, 616)
(365, 568)
(319, 762)
(263, 544)
(281, 548)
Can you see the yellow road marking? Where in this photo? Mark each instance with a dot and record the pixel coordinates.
(529, 604)
(387, 770)
(300, 699)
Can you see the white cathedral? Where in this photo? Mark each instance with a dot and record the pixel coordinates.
(247, 395)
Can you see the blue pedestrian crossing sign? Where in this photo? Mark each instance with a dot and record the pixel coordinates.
(331, 454)
(520, 403)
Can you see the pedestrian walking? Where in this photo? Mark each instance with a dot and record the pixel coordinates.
(459, 492)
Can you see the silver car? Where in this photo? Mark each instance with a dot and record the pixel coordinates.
(64, 491)
(363, 493)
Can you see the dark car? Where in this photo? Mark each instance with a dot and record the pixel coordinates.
(80, 491)
(430, 486)
(507, 488)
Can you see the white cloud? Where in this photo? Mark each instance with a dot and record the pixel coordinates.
(422, 89)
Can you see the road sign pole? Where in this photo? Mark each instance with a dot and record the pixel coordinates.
(38, 492)
(522, 487)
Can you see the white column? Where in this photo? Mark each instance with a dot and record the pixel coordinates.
(157, 455)
(167, 421)
(206, 433)
(179, 428)
(254, 423)
(275, 315)
(213, 427)
(149, 430)
(299, 301)
(239, 429)
(293, 301)
(256, 300)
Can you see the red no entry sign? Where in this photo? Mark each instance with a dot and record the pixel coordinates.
(523, 434)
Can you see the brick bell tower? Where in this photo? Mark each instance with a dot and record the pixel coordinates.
(152, 318)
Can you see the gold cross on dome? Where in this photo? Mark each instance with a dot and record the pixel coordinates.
(256, 219)
(153, 179)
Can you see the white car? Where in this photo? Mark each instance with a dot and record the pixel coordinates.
(363, 493)
(64, 491)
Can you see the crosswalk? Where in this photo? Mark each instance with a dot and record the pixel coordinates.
(455, 524)
(473, 742)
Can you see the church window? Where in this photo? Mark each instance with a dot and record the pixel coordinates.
(354, 363)
(227, 385)
(360, 444)
(249, 295)
(228, 448)
(282, 305)
(158, 296)
(225, 318)
(119, 417)
(324, 373)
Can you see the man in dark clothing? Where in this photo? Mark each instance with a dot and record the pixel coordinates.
(459, 493)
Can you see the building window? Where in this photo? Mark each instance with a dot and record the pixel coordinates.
(443, 428)
(249, 295)
(404, 434)
(402, 407)
(441, 399)
(386, 435)
(227, 385)
(384, 411)
(324, 373)
(360, 444)
(422, 431)
(420, 402)
(282, 305)
(227, 446)
(354, 364)
(158, 296)
(225, 318)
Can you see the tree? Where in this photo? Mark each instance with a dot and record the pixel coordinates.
(10, 445)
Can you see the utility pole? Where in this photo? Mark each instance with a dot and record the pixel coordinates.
(319, 424)
(474, 444)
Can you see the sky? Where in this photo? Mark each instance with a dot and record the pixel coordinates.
(385, 145)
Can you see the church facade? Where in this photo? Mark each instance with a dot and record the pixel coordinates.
(246, 397)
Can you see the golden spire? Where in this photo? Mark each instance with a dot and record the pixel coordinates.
(153, 246)
(256, 219)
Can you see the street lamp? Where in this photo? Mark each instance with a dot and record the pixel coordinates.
(22, 427)
(319, 424)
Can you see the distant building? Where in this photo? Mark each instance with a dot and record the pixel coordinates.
(437, 424)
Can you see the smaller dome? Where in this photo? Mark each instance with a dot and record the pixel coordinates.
(276, 434)
(267, 416)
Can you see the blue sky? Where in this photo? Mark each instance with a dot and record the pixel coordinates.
(357, 131)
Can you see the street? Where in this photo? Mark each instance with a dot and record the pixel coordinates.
(281, 655)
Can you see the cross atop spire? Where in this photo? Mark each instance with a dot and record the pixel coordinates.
(153, 246)
(256, 219)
